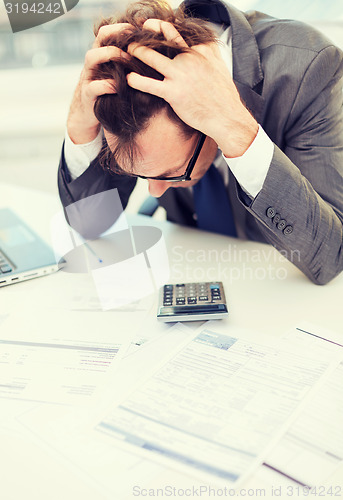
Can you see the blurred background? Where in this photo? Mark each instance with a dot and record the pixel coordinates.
(39, 69)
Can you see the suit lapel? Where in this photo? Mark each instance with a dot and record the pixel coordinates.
(247, 75)
(252, 101)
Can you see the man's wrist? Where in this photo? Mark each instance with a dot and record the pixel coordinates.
(237, 137)
(79, 134)
(251, 169)
(78, 157)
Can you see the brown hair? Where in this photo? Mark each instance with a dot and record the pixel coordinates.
(127, 112)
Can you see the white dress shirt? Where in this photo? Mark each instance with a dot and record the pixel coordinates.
(250, 169)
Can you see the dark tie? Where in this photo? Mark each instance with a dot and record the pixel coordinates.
(212, 204)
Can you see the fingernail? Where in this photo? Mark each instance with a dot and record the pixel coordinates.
(125, 55)
(132, 47)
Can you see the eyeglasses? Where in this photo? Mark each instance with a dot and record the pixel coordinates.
(187, 175)
(191, 164)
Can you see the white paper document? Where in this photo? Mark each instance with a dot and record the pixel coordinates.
(65, 371)
(69, 432)
(216, 406)
(312, 447)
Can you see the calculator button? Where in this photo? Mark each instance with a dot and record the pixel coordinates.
(216, 297)
(192, 300)
(180, 301)
(203, 297)
(168, 287)
(5, 269)
(180, 285)
(167, 302)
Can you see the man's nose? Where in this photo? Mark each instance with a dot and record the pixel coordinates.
(157, 188)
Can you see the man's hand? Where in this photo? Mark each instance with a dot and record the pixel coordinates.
(199, 88)
(82, 124)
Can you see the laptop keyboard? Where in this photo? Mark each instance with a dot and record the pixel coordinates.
(5, 266)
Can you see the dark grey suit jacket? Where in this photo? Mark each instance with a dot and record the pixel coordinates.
(290, 77)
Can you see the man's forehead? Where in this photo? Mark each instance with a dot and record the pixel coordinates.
(162, 145)
(169, 153)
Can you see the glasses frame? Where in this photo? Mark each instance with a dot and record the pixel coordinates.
(187, 175)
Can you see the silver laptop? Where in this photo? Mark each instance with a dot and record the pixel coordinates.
(23, 254)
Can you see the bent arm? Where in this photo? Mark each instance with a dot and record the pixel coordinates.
(95, 214)
(304, 184)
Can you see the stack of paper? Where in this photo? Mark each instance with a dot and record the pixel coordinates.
(164, 402)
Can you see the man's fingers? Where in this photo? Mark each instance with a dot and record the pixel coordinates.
(108, 30)
(103, 54)
(169, 31)
(145, 84)
(150, 57)
(100, 87)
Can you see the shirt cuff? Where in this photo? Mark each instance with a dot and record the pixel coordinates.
(78, 157)
(252, 167)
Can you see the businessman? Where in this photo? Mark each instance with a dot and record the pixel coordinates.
(234, 119)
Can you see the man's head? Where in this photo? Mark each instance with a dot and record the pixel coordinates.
(143, 133)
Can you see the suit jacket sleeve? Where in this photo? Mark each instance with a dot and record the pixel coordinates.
(304, 185)
(94, 214)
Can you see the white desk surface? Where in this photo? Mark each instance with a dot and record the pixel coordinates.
(264, 292)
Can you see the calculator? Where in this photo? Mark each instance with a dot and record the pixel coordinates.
(192, 302)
